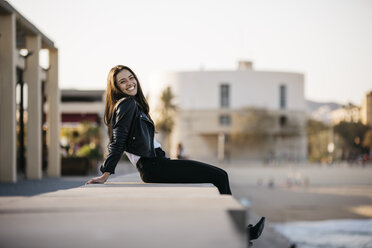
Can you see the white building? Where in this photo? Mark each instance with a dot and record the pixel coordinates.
(242, 115)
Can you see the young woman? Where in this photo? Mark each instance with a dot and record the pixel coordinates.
(131, 130)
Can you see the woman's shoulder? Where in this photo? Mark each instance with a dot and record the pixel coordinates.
(125, 104)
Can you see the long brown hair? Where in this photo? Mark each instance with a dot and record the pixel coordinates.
(114, 94)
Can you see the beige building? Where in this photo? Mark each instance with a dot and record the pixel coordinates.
(237, 116)
(82, 105)
(79, 106)
(366, 110)
(20, 45)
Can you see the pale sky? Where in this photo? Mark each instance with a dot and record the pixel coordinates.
(329, 41)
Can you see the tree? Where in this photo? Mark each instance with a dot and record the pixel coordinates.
(251, 125)
(167, 108)
(352, 135)
(318, 137)
(367, 140)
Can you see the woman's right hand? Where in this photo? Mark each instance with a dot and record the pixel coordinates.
(100, 179)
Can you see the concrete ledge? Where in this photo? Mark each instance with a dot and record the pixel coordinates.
(149, 185)
(125, 214)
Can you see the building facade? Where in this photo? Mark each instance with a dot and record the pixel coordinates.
(366, 109)
(242, 115)
(82, 105)
(347, 113)
(78, 106)
(21, 78)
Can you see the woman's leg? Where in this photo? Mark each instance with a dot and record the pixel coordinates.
(162, 170)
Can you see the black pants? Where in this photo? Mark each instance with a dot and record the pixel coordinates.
(165, 170)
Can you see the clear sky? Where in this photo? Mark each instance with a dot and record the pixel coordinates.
(330, 41)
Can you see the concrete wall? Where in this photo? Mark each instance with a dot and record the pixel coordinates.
(200, 90)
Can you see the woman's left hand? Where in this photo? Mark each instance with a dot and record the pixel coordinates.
(100, 179)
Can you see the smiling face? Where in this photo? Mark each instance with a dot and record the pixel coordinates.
(126, 82)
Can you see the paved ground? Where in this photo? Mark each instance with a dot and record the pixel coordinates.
(33, 187)
(295, 193)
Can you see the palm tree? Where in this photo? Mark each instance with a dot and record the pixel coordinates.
(165, 121)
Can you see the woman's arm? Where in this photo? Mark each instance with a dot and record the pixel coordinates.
(120, 131)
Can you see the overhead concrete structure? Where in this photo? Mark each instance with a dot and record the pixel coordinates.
(18, 34)
(75, 104)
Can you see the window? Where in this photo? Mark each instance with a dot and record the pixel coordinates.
(283, 96)
(224, 95)
(282, 121)
(225, 120)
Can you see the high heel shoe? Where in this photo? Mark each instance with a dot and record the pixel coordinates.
(254, 232)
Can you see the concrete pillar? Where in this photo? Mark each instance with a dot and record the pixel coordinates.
(53, 116)
(8, 99)
(34, 125)
(221, 147)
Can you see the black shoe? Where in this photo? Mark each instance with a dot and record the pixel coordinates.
(255, 232)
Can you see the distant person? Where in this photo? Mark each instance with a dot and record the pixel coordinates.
(131, 130)
(181, 152)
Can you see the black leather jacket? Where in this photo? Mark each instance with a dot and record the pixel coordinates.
(132, 131)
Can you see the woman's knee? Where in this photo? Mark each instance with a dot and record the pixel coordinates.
(146, 177)
(223, 173)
